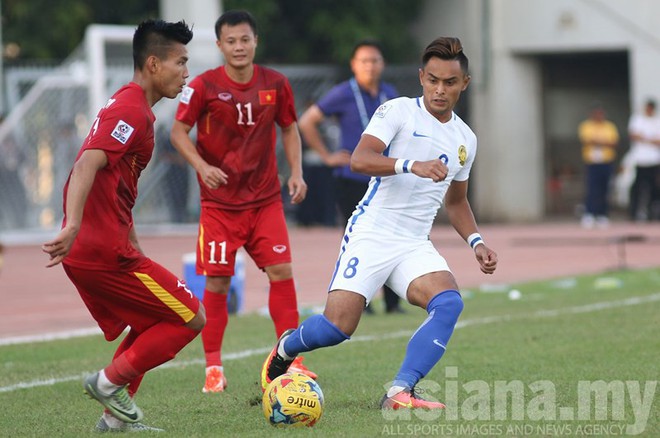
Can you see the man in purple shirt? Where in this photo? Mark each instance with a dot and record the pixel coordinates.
(351, 103)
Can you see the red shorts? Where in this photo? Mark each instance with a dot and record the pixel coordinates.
(140, 298)
(261, 231)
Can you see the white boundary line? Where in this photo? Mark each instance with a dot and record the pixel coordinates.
(587, 308)
(54, 336)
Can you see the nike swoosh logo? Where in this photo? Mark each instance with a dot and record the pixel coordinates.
(133, 416)
(436, 342)
(417, 134)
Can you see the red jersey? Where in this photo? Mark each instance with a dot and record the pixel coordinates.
(124, 130)
(236, 133)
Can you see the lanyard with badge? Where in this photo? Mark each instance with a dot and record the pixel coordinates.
(359, 100)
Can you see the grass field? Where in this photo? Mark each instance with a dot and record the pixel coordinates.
(513, 368)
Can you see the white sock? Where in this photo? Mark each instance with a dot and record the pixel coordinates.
(220, 367)
(105, 385)
(394, 390)
(112, 422)
(281, 352)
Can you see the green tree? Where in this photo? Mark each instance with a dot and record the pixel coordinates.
(324, 31)
(50, 30)
(290, 31)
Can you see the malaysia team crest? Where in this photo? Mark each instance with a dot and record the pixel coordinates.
(462, 154)
(122, 132)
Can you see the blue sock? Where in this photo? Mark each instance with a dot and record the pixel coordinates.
(428, 343)
(314, 332)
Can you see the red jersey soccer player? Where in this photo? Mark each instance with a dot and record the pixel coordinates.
(236, 107)
(99, 250)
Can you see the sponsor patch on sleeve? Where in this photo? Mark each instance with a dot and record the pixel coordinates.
(186, 94)
(122, 132)
(382, 110)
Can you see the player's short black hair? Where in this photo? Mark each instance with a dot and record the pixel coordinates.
(155, 37)
(650, 103)
(368, 42)
(448, 49)
(234, 17)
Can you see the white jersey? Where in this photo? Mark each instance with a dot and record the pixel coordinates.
(405, 204)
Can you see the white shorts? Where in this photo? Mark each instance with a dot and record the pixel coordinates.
(367, 261)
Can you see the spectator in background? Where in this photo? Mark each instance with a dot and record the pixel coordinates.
(644, 132)
(318, 208)
(599, 138)
(352, 103)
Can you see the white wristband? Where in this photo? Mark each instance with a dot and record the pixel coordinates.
(403, 166)
(475, 239)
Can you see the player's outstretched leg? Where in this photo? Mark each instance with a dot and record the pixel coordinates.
(426, 347)
(315, 332)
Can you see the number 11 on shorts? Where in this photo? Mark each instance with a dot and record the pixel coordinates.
(223, 252)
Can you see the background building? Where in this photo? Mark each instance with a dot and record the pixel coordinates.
(537, 66)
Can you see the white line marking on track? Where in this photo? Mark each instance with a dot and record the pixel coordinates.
(587, 308)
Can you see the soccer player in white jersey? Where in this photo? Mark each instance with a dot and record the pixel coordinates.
(419, 154)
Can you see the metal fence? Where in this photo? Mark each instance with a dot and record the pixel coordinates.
(44, 130)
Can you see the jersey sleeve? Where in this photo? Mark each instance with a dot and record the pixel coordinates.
(286, 114)
(115, 130)
(386, 121)
(191, 102)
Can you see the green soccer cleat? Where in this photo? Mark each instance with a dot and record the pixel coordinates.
(119, 403)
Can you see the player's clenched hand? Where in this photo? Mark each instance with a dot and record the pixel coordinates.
(487, 258)
(60, 246)
(213, 176)
(297, 189)
(434, 169)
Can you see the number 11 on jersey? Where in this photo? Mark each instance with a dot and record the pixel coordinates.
(248, 112)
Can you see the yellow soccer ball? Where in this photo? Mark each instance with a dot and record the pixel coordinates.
(293, 400)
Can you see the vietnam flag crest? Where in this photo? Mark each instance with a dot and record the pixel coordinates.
(267, 97)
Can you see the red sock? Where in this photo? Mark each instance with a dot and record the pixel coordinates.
(283, 305)
(217, 317)
(158, 344)
(132, 335)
